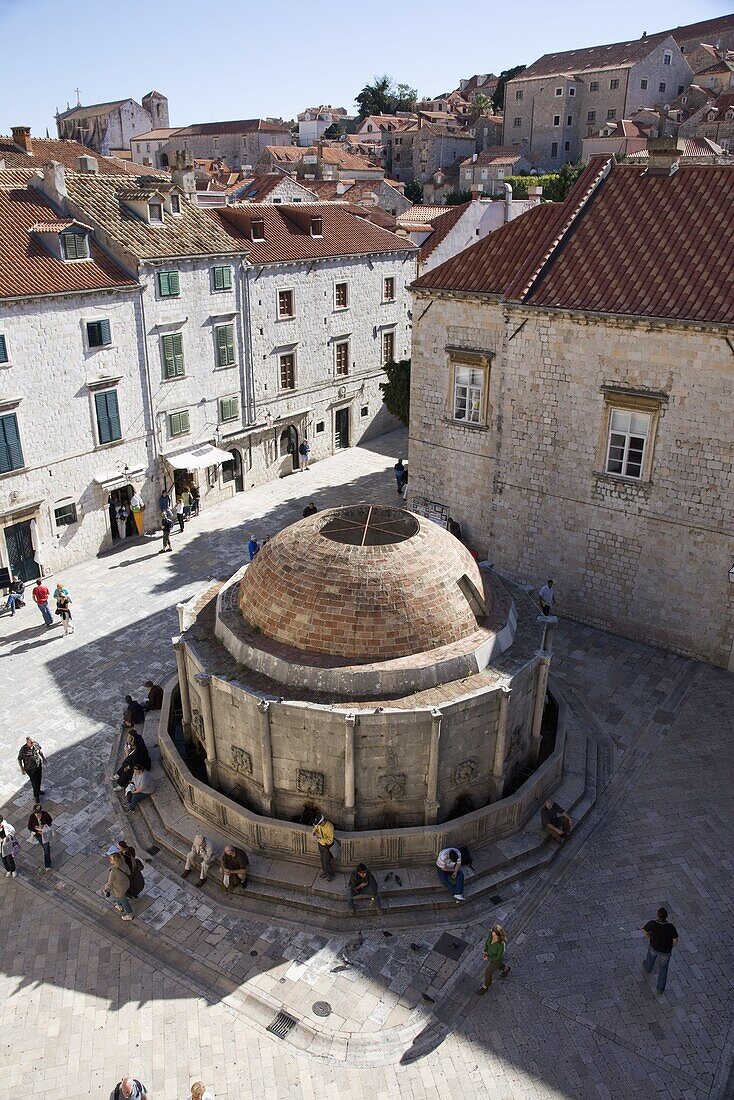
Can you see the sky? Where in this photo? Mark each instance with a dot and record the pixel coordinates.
(232, 59)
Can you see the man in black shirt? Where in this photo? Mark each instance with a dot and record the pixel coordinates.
(556, 822)
(361, 883)
(663, 937)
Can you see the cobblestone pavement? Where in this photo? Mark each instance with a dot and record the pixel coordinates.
(86, 998)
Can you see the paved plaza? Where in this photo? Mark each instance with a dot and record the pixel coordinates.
(187, 990)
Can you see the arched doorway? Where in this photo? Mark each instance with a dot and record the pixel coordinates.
(232, 471)
(288, 445)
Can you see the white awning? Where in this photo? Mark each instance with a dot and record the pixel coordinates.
(117, 479)
(198, 458)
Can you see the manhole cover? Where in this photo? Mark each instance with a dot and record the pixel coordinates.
(321, 1008)
(450, 946)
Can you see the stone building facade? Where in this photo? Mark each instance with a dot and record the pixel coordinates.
(580, 427)
(105, 127)
(563, 98)
(239, 144)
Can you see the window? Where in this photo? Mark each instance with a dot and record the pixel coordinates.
(628, 434)
(519, 94)
(155, 212)
(285, 304)
(667, 57)
(556, 120)
(681, 89)
(257, 227)
(175, 204)
(65, 515)
(643, 85)
(4, 358)
(75, 246)
(594, 86)
(11, 452)
(591, 116)
(98, 334)
(173, 355)
(567, 146)
(225, 345)
(341, 357)
(388, 289)
(611, 113)
(662, 86)
(108, 416)
(229, 408)
(222, 278)
(320, 427)
(569, 120)
(388, 347)
(559, 91)
(517, 122)
(168, 284)
(341, 296)
(364, 411)
(468, 394)
(613, 85)
(316, 227)
(572, 92)
(554, 149)
(178, 423)
(288, 371)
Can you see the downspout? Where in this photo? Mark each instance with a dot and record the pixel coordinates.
(148, 384)
(247, 342)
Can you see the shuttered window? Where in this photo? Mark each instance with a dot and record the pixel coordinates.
(75, 246)
(99, 334)
(342, 357)
(178, 422)
(222, 278)
(11, 453)
(108, 416)
(173, 355)
(225, 345)
(229, 408)
(169, 285)
(3, 350)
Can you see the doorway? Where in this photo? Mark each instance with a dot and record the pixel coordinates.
(288, 445)
(21, 555)
(122, 524)
(341, 428)
(232, 471)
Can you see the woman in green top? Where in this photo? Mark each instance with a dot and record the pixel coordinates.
(494, 952)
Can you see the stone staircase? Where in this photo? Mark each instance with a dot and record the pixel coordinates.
(292, 891)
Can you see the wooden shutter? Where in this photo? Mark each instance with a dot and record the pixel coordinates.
(105, 335)
(222, 278)
(3, 350)
(173, 356)
(108, 416)
(11, 453)
(225, 345)
(168, 284)
(229, 408)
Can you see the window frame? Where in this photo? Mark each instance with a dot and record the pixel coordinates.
(387, 334)
(105, 328)
(221, 268)
(229, 346)
(554, 150)
(662, 86)
(556, 120)
(159, 207)
(180, 413)
(6, 446)
(74, 235)
(385, 280)
(519, 94)
(611, 113)
(340, 344)
(517, 121)
(614, 84)
(629, 401)
(169, 275)
(644, 83)
(559, 92)
(176, 373)
(4, 351)
(475, 361)
(343, 284)
(667, 58)
(59, 524)
(220, 407)
(285, 316)
(627, 435)
(97, 394)
(292, 368)
(591, 117)
(593, 85)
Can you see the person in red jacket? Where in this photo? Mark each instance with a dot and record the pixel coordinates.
(40, 597)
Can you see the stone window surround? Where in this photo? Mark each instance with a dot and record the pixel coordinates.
(337, 342)
(104, 385)
(478, 360)
(8, 360)
(291, 352)
(169, 420)
(94, 348)
(629, 400)
(347, 296)
(391, 279)
(285, 316)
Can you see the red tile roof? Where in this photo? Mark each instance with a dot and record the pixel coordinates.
(288, 237)
(616, 55)
(624, 242)
(240, 126)
(499, 154)
(28, 269)
(65, 152)
(692, 147)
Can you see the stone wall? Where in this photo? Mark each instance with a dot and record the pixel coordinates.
(649, 558)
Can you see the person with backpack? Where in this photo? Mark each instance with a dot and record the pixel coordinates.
(117, 885)
(129, 1088)
(135, 868)
(40, 827)
(305, 452)
(494, 955)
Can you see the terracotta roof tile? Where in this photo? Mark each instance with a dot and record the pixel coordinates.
(28, 269)
(616, 55)
(442, 226)
(65, 152)
(239, 126)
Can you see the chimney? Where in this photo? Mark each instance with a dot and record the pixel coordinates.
(88, 165)
(664, 156)
(54, 182)
(508, 203)
(22, 138)
(182, 174)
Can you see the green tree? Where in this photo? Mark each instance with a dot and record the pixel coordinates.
(481, 105)
(383, 97)
(498, 99)
(414, 192)
(396, 391)
(455, 198)
(335, 132)
(404, 98)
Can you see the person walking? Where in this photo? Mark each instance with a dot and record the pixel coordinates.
(494, 953)
(167, 527)
(40, 596)
(60, 591)
(401, 475)
(305, 452)
(323, 830)
(186, 501)
(662, 938)
(118, 884)
(201, 854)
(450, 873)
(31, 761)
(199, 1091)
(195, 499)
(547, 598)
(9, 848)
(63, 610)
(129, 1088)
(40, 827)
(180, 514)
(15, 596)
(135, 869)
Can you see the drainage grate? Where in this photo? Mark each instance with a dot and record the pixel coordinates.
(321, 1008)
(281, 1025)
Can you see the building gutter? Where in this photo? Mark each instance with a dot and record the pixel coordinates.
(247, 373)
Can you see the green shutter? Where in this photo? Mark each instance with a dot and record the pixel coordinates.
(108, 416)
(225, 345)
(222, 278)
(179, 422)
(11, 453)
(173, 356)
(75, 246)
(105, 335)
(168, 284)
(229, 408)
(3, 350)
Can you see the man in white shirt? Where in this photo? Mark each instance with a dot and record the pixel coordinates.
(547, 598)
(449, 869)
(138, 788)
